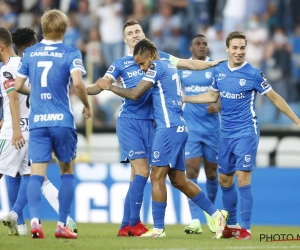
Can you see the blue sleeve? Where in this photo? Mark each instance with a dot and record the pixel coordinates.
(114, 70)
(23, 66)
(75, 62)
(261, 83)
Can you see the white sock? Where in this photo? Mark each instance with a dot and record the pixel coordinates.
(51, 194)
(234, 226)
(36, 220)
(61, 224)
(215, 214)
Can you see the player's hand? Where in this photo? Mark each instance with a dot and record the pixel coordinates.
(213, 108)
(216, 62)
(87, 112)
(104, 83)
(18, 140)
(1, 123)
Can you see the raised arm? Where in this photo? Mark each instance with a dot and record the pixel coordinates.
(193, 64)
(280, 103)
(207, 97)
(133, 94)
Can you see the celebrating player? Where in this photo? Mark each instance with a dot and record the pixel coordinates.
(204, 132)
(49, 65)
(236, 82)
(167, 156)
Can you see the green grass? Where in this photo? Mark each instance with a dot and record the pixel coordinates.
(103, 236)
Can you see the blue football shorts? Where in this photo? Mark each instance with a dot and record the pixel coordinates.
(237, 154)
(135, 138)
(168, 148)
(200, 144)
(43, 141)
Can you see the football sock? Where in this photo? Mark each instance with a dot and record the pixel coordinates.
(65, 196)
(212, 189)
(13, 186)
(126, 213)
(34, 195)
(158, 213)
(136, 198)
(194, 209)
(22, 196)
(204, 203)
(229, 198)
(246, 205)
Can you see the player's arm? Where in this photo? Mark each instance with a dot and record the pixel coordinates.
(133, 94)
(193, 64)
(14, 104)
(207, 97)
(81, 92)
(21, 87)
(281, 104)
(94, 89)
(213, 108)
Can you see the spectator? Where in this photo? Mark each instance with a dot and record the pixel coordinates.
(165, 29)
(110, 28)
(72, 35)
(8, 18)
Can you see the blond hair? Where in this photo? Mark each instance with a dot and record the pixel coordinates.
(54, 25)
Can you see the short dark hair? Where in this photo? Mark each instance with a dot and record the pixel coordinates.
(5, 37)
(144, 46)
(196, 36)
(233, 35)
(130, 23)
(23, 36)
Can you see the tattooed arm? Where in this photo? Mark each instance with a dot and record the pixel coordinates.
(133, 94)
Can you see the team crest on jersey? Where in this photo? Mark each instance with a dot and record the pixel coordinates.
(208, 75)
(265, 85)
(156, 154)
(111, 69)
(242, 82)
(247, 158)
(8, 75)
(150, 73)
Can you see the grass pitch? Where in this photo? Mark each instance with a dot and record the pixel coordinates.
(103, 236)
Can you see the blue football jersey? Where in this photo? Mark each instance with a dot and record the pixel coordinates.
(166, 94)
(238, 88)
(195, 82)
(130, 75)
(49, 65)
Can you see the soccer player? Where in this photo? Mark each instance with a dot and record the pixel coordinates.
(23, 38)
(167, 157)
(14, 131)
(236, 82)
(203, 122)
(49, 65)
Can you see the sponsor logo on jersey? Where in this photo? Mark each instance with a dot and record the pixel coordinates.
(9, 84)
(78, 63)
(135, 73)
(242, 82)
(228, 95)
(247, 158)
(196, 88)
(221, 76)
(152, 66)
(111, 69)
(48, 117)
(131, 153)
(46, 53)
(8, 74)
(208, 75)
(129, 62)
(265, 85)
(156, 154)
(150, 73)
(171, 66)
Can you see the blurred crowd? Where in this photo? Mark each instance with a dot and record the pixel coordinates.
(272, 28)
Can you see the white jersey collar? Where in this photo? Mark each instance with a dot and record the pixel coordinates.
(233, 69)
(49, 42)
